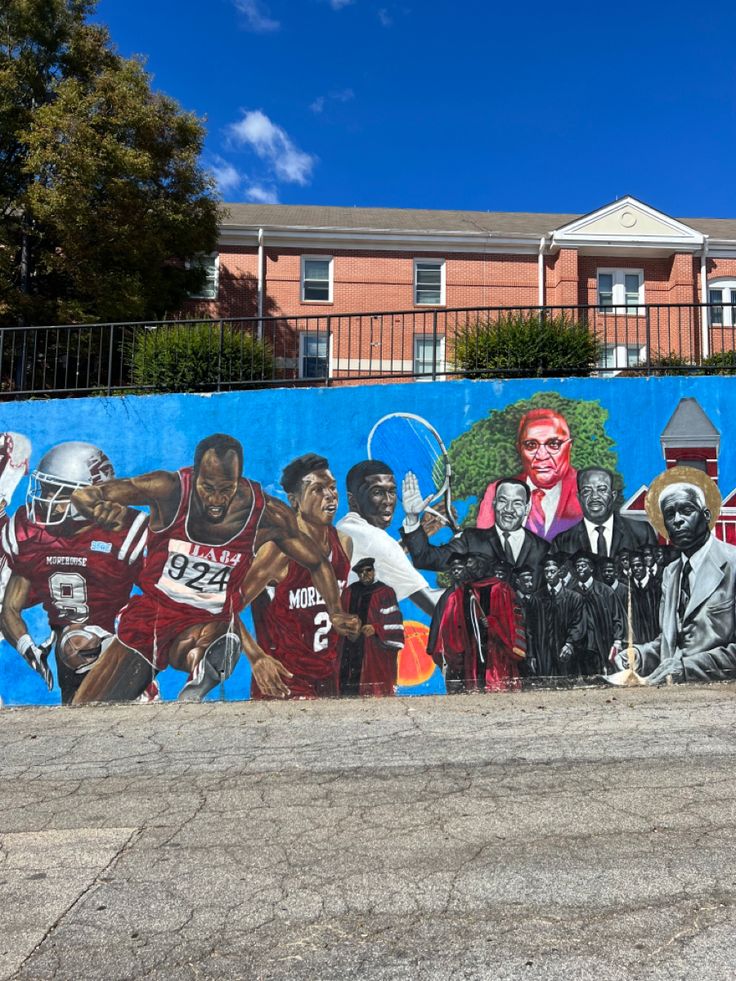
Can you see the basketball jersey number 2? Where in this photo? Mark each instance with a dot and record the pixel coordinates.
(323, 626)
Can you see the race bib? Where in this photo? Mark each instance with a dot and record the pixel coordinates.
(195, 579)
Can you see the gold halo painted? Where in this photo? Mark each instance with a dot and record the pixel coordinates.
(681, 475)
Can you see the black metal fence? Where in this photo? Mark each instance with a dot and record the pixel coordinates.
(247, 352)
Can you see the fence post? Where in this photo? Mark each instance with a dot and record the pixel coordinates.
(434, 345)
(648, 323)
(328, 373)
(219, 358)
(109, 360)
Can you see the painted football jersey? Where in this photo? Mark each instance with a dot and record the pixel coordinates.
(86, 578)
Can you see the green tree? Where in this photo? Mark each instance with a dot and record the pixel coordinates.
(526, 344)
(102, 195)
(487, 450)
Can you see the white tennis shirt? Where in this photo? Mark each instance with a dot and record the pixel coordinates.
(393, 565)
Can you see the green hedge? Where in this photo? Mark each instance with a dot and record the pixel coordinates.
(527, 345)
(191, 357)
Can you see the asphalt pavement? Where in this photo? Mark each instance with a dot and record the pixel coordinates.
(542, 835)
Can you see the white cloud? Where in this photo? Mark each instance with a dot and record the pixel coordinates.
(256, 16)
(385, 17)
(339, 4)
(320, 103)
(227, 177)
(273, 144)
(262, 195)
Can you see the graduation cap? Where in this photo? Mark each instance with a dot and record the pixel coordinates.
(366, 563)
(457, 549)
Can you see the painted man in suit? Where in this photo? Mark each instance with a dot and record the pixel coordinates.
(544, 445)
(508, 541)
(602, 531)
(698, 622)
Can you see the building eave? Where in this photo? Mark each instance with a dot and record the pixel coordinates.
(378, 239)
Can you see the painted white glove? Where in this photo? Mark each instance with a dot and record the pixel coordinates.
(37, 657)
(412, 501)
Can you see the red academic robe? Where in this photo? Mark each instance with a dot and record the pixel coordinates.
(460, 637)
(381, 651)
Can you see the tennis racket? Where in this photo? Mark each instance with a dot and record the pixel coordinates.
(406, 442)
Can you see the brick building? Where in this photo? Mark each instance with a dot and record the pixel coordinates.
(641, 278)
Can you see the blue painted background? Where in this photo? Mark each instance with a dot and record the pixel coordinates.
(144, 433)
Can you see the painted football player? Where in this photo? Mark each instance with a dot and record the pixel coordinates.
(206, 523)
(80, 574)
(291, 619)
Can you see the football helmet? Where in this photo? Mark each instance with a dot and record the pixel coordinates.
(62, 470)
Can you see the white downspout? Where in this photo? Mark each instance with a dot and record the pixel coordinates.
(704, 326)
(540, 271)
(261, 282)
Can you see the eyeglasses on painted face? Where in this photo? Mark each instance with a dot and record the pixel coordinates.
(553, 445)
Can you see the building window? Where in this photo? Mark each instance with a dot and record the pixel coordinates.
(316, 279)
(620, 290)
(615, 357)
(314, 355)
(429, 353)
(210, 266)
(429, 282)
(722, 300)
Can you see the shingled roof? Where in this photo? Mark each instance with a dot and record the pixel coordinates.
(505, 224)
(689, 426)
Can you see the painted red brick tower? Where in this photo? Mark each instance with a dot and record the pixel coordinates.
(691, 440)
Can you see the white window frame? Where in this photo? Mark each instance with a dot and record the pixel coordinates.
(330, 278)
(307, 335)
(618, 303)
(623, 356)
(427, 375)
(728, 312)
(206, 294)
(436, 262)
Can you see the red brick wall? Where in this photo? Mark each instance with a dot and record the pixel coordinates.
(365, 282)
(671, 281)
(368, 282)
(561, 278)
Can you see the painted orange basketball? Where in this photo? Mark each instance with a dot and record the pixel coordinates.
(415, 665)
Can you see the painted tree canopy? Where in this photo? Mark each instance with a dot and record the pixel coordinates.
(488, 451)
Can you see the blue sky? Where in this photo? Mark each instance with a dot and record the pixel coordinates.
(435, 104)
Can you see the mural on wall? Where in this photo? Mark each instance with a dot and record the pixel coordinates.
(302, 544)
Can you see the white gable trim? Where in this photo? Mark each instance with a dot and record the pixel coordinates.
(628, 223)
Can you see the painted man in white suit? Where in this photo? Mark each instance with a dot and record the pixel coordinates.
(697, 641)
